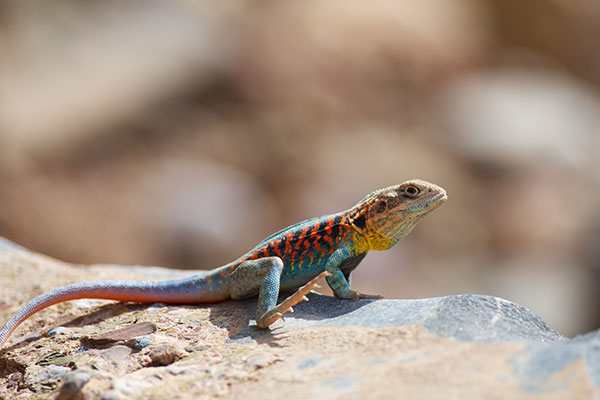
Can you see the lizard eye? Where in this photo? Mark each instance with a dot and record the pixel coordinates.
(411, 191)
(381, 206)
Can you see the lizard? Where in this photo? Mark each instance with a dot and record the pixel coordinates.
(296, 257)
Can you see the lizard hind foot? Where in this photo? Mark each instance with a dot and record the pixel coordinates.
(286, 305)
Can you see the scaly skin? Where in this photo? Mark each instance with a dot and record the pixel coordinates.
(296, 257)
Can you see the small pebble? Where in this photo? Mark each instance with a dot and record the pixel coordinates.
(141, 342)
(116, 353)
(258, 362)
(189, 349)
(56, 331)
(165, 354)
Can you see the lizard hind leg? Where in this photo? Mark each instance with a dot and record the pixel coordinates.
(262, 276)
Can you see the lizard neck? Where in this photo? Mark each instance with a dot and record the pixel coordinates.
(368, 239)
(379, 242)
(363, 238)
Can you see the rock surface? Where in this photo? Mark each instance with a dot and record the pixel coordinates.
(454, 347)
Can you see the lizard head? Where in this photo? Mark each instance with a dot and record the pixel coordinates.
(391, 213)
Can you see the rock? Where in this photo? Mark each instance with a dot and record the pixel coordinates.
(56, 331)
(45, 374)
(464, 346)
(460, 317)
(55, 358)
(165, 354)
(116, 353)
(72, 383)
(139, 343)
(128, 332)
(258, 362)
(523, 118)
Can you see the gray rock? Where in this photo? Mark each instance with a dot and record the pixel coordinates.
(461, 317)
(77, 379)
(72, 383)
(45, 374)
(537, 363)
(467, 318)
(116, 353)
(56, 331)
(140, 343)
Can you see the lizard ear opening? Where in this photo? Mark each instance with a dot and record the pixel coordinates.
(379, 207)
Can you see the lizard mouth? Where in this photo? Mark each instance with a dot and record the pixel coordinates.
(438, 200)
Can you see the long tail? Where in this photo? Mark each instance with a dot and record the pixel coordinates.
(189, 290)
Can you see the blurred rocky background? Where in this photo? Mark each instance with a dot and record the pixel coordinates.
(182, 132)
